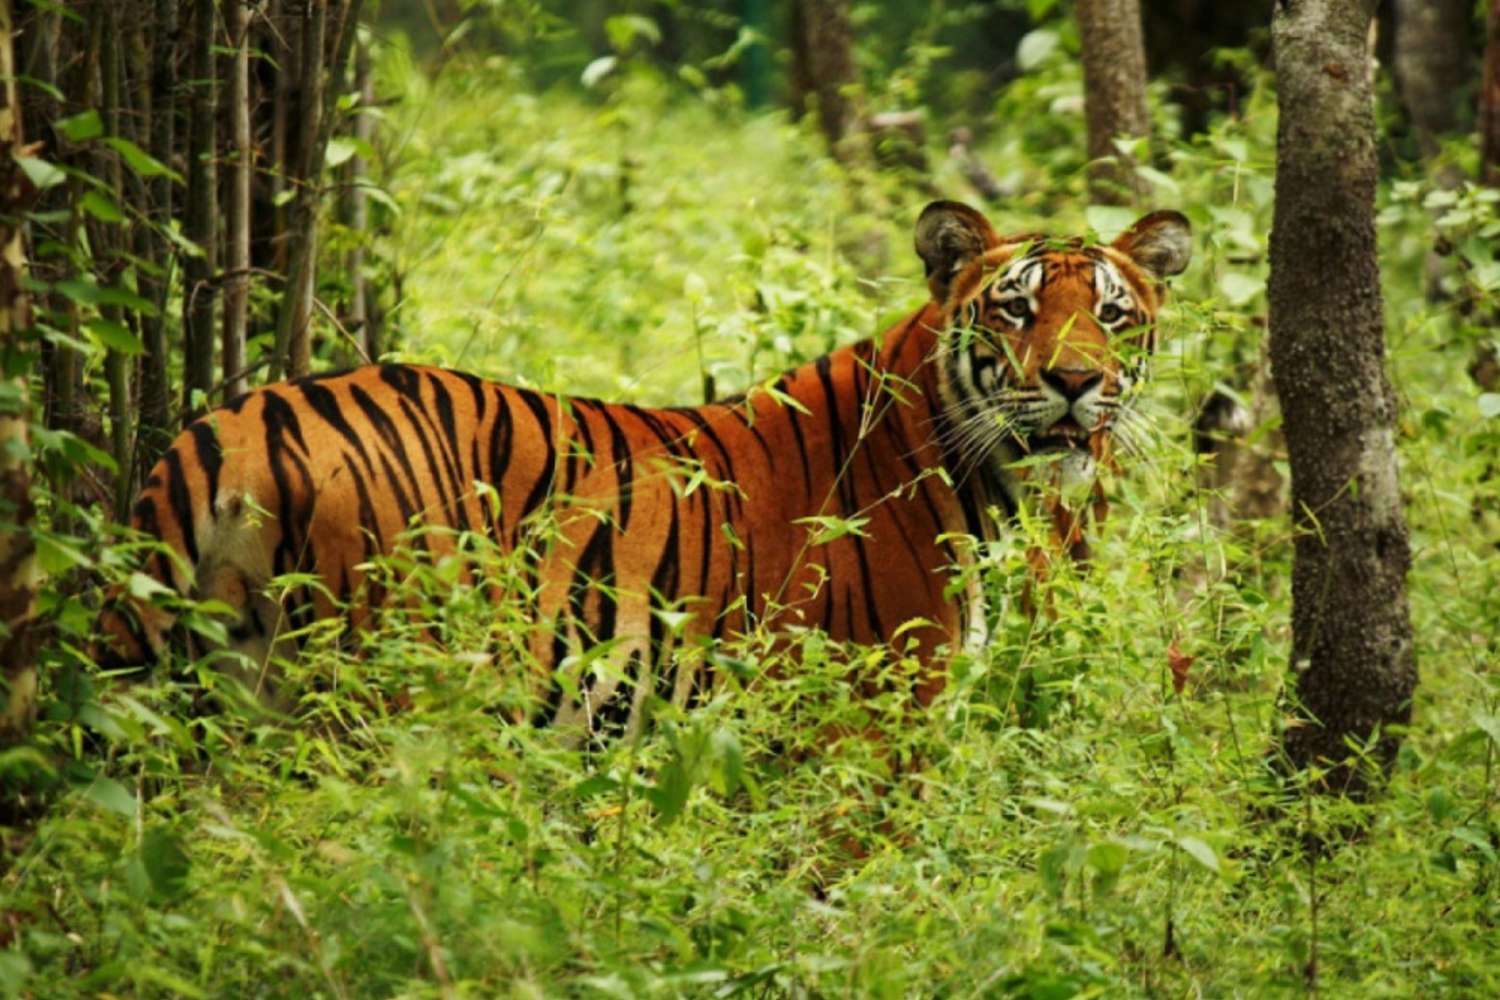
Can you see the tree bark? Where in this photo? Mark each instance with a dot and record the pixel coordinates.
(156, 131)
(237, 236)
(360, 319)
(20, 576)
(294, 321)
(1432, 64)
(1489, 101)
(824, 69)
(199, 272)
(1114, 95)
(1352, 656)
(107, 243)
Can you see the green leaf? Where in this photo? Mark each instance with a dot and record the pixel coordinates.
(598, 70)
(339, 152)
(15, 970)
(1035, 47)
(1240, 288)
(140, 161)
(82, 127)
(40, 173)
(89, 294)
(670, 793)
(831, 528)
(113, 336)
(167, 864)
(596, 785)
(1109, 221)
(730, 758)
(143, 587)
(1489, 405)
(56, 555)
(623, 29)
(110, 794)
(101, 207)
(1200, 852)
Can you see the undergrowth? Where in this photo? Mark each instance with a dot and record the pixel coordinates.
(1063, 821)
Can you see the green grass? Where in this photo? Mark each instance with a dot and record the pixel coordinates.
(1062, 814)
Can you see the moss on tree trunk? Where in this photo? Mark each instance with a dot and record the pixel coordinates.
(1352, 655)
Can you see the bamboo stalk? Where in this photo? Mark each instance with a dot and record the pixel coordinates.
(237, 239)
(157, 103)
(199, 290)
(360, 319)
(294, 322)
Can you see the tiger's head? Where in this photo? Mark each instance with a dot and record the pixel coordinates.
(1042, 340)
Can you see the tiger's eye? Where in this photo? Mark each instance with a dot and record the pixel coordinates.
(1111, 313)
(1016, 307)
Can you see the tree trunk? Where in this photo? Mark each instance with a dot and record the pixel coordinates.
(199, 272)
(237, 237)
(294, 321)
(824, 69)
(1432, 64)
(107, 243)
(360, 323)
(1489, 101)
(20, 576)
(1114, 94)
(1351, 632)
(156, 131)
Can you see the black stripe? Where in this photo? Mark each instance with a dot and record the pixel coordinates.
(596, 572)
(326, 405)
(210, 457)
(182, 503)
(783, 387)
(727, 473)
(836, 426)
(387, 430)
(280, 419)
(501, 433)
(543, 485)
(748, 422)
(664, 582)
(619, 451)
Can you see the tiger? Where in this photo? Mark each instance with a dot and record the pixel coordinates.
(1027, 345)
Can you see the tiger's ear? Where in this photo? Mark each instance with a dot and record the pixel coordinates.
(949, 235)
(1161, 242)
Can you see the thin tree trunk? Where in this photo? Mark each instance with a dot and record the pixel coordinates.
(294, 321)
(1352, 649)
(60, 363)
(107, 244)
(359, 207)
(160, 104)
(237, 239)
(824, 69)
(20, 576)
(284, 47)
(1489, 101)
(1432, 63)
(1114, 95)
(199, 291)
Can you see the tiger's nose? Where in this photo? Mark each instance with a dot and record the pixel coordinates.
(1071, 383)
